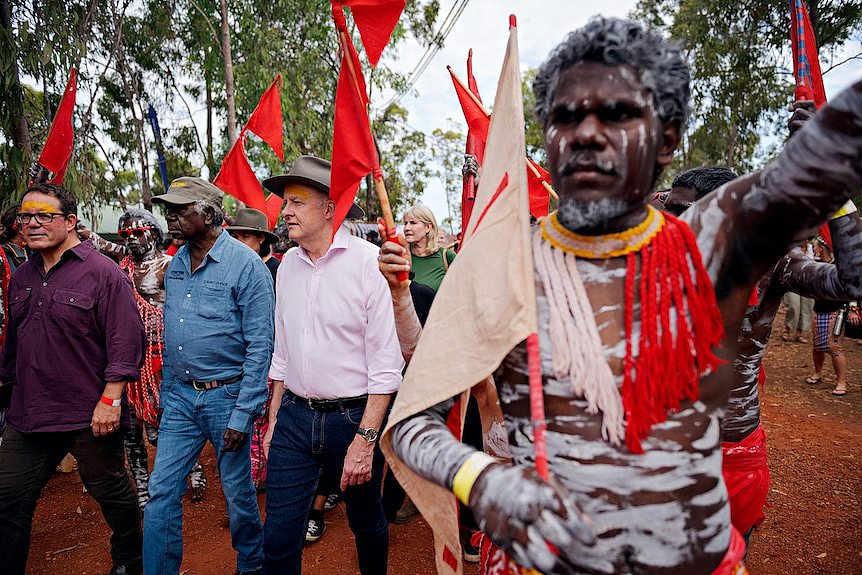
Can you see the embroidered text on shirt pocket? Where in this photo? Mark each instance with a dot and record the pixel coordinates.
(214, 300)
(72, 310)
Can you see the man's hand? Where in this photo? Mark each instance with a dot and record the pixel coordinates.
(394, 258)
(803, 110)
(267, 439)
(357, 463)
(106, 419)
(233, 440)
(536, 522)
(83, 231)
(470, 167)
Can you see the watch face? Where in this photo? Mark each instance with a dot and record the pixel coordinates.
(369, 434)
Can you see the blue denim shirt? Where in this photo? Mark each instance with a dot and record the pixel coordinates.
(219, 323)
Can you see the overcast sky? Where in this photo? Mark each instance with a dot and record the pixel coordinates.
(483, 26)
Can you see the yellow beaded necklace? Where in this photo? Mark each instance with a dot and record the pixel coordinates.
(603, 246)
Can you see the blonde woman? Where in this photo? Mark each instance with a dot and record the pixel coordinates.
(430, 260)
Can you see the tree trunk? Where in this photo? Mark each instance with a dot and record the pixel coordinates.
(210, 159)
(228, 74)
(731, 146)
(814, 15)
(18, 129)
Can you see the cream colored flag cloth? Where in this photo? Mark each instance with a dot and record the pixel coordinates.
(485, 306)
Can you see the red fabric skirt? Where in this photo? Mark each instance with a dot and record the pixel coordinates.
(746, 474)
(494, 561)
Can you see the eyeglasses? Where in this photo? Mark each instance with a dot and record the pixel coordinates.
(124, 233)
(24, 218)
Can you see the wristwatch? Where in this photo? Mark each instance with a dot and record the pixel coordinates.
(369, 435)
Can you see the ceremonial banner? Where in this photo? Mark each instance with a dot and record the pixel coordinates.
(485, 307)
(806, 63)
(375, 19)
(58, 145)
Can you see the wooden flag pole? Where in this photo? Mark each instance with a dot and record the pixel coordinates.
(545, 184)
(379, 185)
(476, 101)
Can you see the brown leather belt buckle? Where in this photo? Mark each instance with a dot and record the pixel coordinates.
(204, 385)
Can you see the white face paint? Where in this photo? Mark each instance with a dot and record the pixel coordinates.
(563, 143)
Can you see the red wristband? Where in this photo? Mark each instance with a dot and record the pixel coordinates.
(111, 402)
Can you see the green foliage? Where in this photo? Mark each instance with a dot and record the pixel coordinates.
(168, 55)
(742, 78)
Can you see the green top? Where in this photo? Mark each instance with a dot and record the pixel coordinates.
(429, 270)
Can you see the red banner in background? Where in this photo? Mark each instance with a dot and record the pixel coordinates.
(58, 145)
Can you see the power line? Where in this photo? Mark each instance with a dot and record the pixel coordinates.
(431, 51)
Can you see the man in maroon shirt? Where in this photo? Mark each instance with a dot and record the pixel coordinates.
(74, 339)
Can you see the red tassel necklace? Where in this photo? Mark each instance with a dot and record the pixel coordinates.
(680, 323)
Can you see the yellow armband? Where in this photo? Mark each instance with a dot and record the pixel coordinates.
(847, 208)
(466, 476)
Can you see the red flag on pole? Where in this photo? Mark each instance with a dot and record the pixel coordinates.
(478, 122)
(375, 19)
(266, 120)
(58, 146)
(353, 152)
(539, 187)
(806, 63)
(238, 179)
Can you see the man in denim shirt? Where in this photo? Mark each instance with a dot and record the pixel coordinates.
(218, 345)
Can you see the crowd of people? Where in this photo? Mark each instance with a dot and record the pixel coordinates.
(653, 317)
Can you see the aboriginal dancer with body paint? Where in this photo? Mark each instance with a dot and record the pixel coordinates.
(142, 258)
(745, 466)
(631, 305)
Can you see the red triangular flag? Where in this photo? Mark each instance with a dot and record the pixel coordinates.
(238, 179)
(540, 198)
(806, 62)
(478, 120)
(353, 151)
(266, 120)
(58, 145)
(376, 19)
(273, 209)
(478, 145)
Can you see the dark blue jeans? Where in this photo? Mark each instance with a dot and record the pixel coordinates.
(307, 444)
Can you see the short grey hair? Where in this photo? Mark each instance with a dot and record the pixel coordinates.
(200, 207)
(613, 41)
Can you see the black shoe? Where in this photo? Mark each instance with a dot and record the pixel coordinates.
(255, 572)
(131, 569)
(331, 501)
(471, 552)
(314, 528)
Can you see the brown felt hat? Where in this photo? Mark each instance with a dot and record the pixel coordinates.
(188, 190)
(252, 220)
(309, 171)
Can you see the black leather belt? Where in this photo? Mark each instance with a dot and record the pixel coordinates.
(205, 385)
(329, 404)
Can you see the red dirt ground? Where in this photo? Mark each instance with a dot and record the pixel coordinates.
(812, 527)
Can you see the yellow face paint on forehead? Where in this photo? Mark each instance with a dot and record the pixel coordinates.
(300, 192)
(36, 206)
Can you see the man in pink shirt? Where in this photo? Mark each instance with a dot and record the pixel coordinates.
(335, 366)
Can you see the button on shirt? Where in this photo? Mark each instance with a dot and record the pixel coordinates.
(70, 331)
(335, 328)
(218, 323)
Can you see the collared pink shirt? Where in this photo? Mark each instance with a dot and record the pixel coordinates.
(334, 325)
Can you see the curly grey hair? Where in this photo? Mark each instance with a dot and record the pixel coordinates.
(218, 213)
(613, 41)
